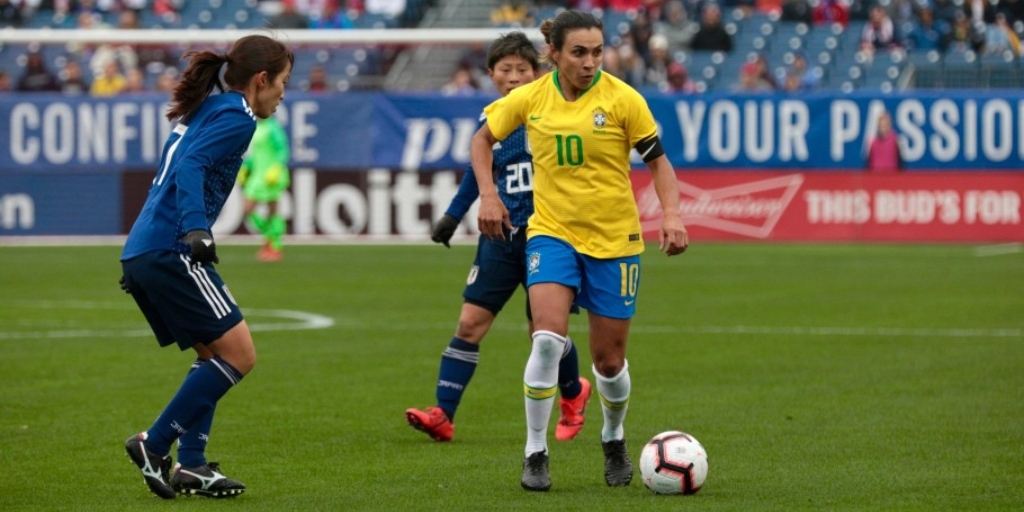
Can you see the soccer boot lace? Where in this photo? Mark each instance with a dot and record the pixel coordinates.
(155, 469)
(433, 421)
(570, 423)
(205, 481)
(618, 470)
(535, 472)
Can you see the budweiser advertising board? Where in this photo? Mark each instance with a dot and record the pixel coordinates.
(834, 206)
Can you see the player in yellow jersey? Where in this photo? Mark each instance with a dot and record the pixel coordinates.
(584, 238)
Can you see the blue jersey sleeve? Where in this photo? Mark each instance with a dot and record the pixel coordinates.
(225, 131)
(464, 198)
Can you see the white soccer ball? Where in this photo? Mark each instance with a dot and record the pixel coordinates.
(674, 463)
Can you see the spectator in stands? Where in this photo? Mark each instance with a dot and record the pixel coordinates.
(318, 80)
(641, 30)
(110, 83)
(798, 11)
(751, 79)
(980, 12)
(332, 17)
(679, 81)
(72, 82)
(461, 84)
(964, 35)
(168, 10)
(36, 77)
(134, 81)
(712, 36)
(904, 13)
(676, 27)
(617, 5)
(879, 33)
(5, 81)
(512, 13)
(633, 66)
(829, 12)
(658, 61)
(123, 53)
(474, 59)
(389, 8)
(166, 81)
(764, 70)
(10, 14)
(289, 17)
(946, 10)
(1000, 37)
(927, 33)
(807, 78)
(884, 150)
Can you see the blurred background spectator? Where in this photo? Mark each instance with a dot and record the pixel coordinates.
(72, 81)
(36, 77)
(679, 80)
(513, 13)
(884, 149)
(10, 14)
(288, 17)
(109, 83)
(461, 84)
(5, 81)
(712, 36)
(676, 27)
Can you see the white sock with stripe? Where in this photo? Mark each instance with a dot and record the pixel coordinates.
(540, 384)
(614, 393)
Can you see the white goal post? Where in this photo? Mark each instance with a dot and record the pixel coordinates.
(291, 36)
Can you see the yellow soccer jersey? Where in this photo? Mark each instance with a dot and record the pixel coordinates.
(581, 188)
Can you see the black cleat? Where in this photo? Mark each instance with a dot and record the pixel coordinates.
(618, 470)
(155, 470)
(535, 472)
(205, 481)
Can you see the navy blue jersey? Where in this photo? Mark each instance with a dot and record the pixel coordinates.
(513, 176)
(197, 172)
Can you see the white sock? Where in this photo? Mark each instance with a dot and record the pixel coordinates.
(540, 384)
(614, 393)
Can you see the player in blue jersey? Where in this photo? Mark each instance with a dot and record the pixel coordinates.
(169, 255)
(500, 266)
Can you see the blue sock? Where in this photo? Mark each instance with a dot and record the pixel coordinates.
(458, 362)
(192, 444)
(196, 397)
(569, 371)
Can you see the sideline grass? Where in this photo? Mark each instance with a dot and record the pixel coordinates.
(819, 377)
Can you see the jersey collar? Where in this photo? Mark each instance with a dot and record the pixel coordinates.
(558, 85)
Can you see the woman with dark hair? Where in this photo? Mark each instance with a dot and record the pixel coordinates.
(169, 255)
(584, 238)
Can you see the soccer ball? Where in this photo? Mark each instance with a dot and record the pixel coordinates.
(674, 463)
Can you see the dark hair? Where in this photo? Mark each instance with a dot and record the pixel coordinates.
(513, 43)
(554, 29)
(247, 57)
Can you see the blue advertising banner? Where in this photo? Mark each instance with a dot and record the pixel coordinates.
(64, 204)
(964, 130)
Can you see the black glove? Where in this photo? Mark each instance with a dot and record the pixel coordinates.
(444, 229)
(204, 250)
(124, 285)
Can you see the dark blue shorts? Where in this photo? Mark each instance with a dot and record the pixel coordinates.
(499, 268)
(184, 302)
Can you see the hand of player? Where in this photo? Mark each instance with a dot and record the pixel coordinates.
(124, 284)
(204, 250)
(444, 230)
(673, 238)
(493, 218)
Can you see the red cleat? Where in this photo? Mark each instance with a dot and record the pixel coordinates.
(432, 421)
(570, 423)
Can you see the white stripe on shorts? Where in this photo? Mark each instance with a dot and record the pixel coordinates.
(206, 287)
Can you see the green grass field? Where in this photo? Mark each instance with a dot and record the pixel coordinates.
(818, 377)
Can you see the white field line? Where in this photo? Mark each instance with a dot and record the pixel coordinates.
(998, 250)
(300, 320)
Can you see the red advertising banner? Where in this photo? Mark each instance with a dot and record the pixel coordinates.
(832, 206)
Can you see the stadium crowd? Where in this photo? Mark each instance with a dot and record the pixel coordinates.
(675, 46)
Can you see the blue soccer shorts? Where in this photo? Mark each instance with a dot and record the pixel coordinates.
(183, 301)
(499, 268)
(605, 287)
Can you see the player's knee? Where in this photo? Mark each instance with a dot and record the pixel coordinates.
(548, 345)
(609, 365)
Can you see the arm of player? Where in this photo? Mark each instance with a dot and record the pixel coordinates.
(673, 238)
(493, 217)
